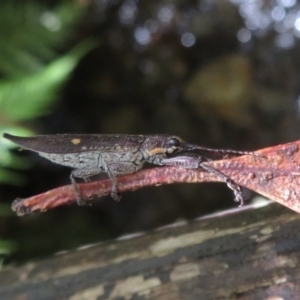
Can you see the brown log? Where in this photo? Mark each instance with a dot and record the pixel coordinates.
(250, 254)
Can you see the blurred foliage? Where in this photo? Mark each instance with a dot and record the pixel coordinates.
(30, 96)
(33, 34)
(6, 246)
(33, 68)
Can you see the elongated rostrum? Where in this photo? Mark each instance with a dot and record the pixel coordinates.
(116, 154)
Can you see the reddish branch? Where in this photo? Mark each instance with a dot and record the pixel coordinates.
(275, 173)
(130, 182)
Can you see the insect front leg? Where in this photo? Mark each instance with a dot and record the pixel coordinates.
(194, 161)
(237, 190)
(186, 161)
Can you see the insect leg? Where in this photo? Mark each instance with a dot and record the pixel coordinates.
(85, 174)
(114, 188)
(194, 161)
(238, 196)
(186, 161)
(76, 188)
(115, 169)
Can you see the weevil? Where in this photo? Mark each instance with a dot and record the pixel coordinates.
(117, 154)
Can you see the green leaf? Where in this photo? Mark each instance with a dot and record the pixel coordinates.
(33, 34)
(31, 96)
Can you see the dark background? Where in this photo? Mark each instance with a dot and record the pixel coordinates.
(222, 74)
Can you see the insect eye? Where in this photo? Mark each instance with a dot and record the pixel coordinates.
(173, 144)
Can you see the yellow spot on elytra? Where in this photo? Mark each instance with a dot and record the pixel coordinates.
(76, 141)
(156, 151)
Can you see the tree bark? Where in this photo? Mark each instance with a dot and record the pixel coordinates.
(252, 254)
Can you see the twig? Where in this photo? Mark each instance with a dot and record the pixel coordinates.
(130, 182)
(274, 173)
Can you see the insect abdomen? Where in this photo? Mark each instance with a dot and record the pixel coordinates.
(83, 160)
